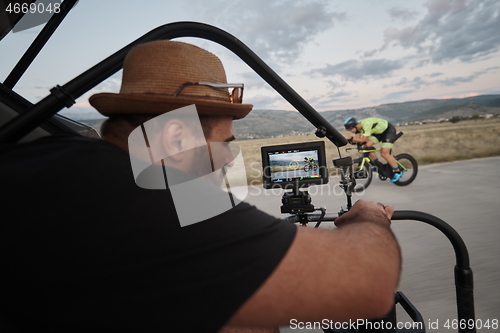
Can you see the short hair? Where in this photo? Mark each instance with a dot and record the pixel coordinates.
(120, 126)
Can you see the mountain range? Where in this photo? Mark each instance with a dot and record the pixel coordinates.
(269, 123)
(265, 123)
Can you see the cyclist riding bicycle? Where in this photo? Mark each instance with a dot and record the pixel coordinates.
(308, 160)
(372, 131)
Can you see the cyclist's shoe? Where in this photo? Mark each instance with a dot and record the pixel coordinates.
(396, 176)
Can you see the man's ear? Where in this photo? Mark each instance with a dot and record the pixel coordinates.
(175, 139)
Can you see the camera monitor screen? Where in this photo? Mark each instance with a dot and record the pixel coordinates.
(294, 165)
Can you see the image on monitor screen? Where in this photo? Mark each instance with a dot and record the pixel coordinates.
(291, 165)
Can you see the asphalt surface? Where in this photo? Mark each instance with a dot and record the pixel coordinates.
(465, 194)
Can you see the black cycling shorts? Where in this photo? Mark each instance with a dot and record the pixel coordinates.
(388, 136)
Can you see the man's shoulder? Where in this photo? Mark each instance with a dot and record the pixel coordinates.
(62, 162)
(78, 142)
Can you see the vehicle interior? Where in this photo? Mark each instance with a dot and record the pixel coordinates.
(12, 104)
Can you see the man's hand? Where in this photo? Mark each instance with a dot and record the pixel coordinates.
(343, 274)
(367, 211)
(349, 138)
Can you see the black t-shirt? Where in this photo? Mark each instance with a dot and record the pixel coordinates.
(83, 248)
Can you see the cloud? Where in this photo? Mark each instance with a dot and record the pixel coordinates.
(452, 29)
(275, 30)
(370, 53)
(356, 70)
(452, 81)
(111, 84)
(462, 79)
(401, 82)
(264, 101)
(465, 94)
(402, 14)
(418, 82)
(335, 84)
(394, 96)
(326, 101)
(253, 81)
(336, 96)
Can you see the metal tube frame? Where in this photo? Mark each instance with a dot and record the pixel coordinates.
(66, 94)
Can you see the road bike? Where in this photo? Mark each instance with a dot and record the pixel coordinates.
(364, 167)
(310, 166)
(294, 165)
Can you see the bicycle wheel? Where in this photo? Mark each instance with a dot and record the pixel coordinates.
(307, 167)
(315, 167)
(408, 162)
(363, 176)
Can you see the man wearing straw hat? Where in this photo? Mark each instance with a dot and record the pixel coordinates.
(146, 261)
(315, 266)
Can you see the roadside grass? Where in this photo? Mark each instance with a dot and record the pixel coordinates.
(428, 143)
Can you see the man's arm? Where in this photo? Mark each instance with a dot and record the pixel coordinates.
(348, 273)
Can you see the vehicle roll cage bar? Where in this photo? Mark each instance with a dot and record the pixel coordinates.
(64, 96)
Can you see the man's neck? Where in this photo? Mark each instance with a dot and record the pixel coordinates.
(117, 142)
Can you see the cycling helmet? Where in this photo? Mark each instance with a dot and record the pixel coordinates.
(350, 123)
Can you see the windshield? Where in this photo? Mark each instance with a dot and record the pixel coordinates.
(337, 56)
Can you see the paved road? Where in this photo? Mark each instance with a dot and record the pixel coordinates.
(465, 194)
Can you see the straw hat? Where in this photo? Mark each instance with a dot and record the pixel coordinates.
(153, 72)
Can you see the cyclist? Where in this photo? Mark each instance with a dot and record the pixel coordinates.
(308, 160)
(371, 131)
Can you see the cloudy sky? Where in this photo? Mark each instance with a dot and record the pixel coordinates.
(335, 54)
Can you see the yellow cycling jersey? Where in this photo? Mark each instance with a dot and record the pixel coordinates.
(373, 125)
